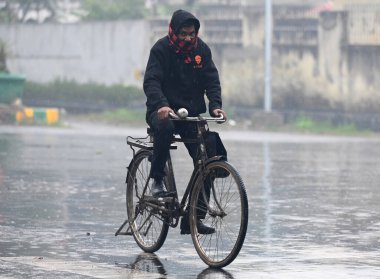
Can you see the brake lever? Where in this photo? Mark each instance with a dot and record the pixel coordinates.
(173, 115)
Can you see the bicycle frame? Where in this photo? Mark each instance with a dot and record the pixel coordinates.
(202, 161)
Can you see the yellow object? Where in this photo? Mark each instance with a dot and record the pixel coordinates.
(47, 116)
(52, 116)
(19, 116)
(137, 74)
(26, 114)
(29, 113)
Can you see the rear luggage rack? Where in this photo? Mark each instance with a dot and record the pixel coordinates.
(144, 143)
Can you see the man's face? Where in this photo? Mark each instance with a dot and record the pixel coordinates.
(187, 33)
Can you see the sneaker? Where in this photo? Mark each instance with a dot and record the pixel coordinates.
(158, 189)
(202, 228)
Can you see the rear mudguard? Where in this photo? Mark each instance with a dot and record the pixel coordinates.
(133, 161)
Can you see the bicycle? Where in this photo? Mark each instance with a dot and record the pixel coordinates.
(215, 193)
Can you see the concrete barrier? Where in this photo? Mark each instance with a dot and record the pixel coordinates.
(46, 116)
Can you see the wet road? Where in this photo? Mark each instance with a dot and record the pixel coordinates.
(314, 207)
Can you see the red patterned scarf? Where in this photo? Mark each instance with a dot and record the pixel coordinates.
(182, 47)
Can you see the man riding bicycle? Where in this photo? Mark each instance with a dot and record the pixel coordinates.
(179, 73)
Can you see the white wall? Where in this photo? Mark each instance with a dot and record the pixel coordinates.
(103, 52)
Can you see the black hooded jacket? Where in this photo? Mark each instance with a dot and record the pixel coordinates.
(169, 81)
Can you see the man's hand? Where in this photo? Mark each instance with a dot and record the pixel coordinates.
(163, 112)
(218, 112)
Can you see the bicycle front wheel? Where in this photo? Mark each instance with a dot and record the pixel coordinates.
(147, 226)
(219, 200)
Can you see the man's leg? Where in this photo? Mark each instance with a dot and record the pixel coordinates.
(190, 131)
(163, 134)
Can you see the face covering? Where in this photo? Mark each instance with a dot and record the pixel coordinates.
(182, 47)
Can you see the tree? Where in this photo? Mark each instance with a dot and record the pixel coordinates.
(40, 11)
(27, 10)
(113, 9)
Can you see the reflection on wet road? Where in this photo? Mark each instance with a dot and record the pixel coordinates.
(314, 207)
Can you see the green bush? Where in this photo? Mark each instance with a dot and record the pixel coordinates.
(121, 116)
(66, 93)
(308, 125)
(304, 123)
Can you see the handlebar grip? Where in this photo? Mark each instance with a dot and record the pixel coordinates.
(219, 119)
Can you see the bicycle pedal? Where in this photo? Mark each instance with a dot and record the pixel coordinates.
(164, 199)
(169, 195)
(165, 195)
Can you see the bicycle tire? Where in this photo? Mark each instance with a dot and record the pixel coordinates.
(228, 215)
(148, 230)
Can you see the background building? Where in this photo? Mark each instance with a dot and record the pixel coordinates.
(325, 53)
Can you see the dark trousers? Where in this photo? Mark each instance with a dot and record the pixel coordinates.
(163, 135)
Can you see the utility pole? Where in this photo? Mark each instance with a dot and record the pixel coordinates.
(268, 56)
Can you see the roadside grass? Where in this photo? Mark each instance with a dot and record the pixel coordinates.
(71, 94)
(116, 117)
(120, 116)
(307, 125)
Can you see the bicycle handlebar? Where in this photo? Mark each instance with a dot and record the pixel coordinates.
(219, 119)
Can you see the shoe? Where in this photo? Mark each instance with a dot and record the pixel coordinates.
(158, 189)
(202, 228)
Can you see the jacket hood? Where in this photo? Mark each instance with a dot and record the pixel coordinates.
(179, 17)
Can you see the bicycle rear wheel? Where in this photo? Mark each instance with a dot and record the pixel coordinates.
(219, 201)
(147, 226)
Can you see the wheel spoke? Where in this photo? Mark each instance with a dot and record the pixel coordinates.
(148, 230)
(227, 213)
